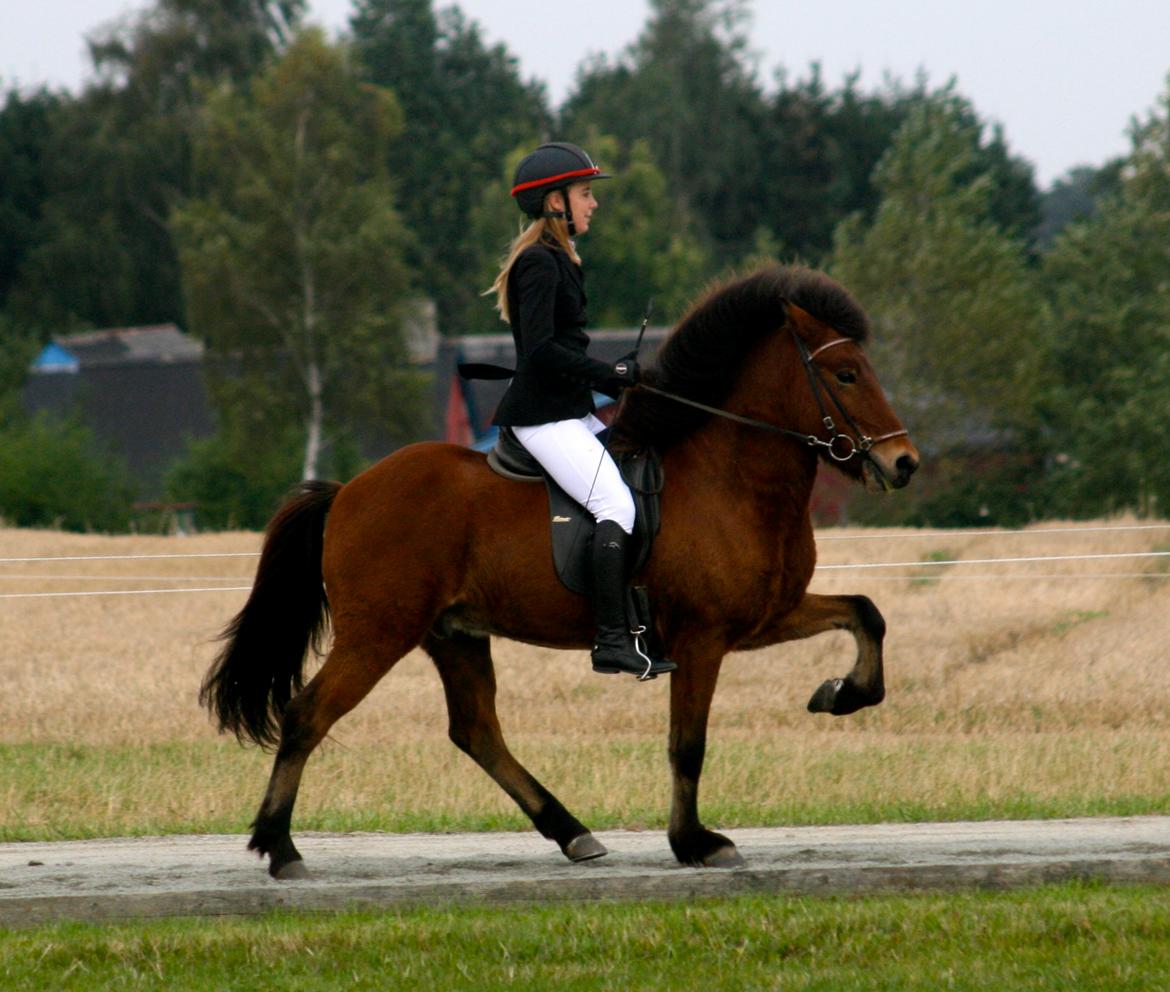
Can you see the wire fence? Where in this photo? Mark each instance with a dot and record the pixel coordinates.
(916, 575)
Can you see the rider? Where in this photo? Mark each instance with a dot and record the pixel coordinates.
(549, 405)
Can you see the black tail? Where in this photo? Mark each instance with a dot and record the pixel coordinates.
(262, 666)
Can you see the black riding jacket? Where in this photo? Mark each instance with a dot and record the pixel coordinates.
(555, 378)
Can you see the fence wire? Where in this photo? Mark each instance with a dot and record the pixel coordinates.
(821, 538)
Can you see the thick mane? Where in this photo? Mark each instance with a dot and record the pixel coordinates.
(703, 356)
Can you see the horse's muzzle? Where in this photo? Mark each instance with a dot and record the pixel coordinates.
(890, 464)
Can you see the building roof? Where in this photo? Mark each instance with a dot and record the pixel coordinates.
(160, 343)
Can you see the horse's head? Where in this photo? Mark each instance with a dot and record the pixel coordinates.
(779, 350)
(844, 409)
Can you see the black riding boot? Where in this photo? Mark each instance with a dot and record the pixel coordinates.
(615, 648)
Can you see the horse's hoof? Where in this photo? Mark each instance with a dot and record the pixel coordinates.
(725, 857)
(586, 847)
(825, 698)
(291, 871)
(840, 698)
(706, 849)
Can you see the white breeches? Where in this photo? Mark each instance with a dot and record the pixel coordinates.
(581, 466)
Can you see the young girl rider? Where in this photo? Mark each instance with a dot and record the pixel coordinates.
(548, 405)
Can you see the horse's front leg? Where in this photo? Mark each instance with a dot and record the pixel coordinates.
(691, 689)
(865, 684)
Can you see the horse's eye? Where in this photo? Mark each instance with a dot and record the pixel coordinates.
(847, 376)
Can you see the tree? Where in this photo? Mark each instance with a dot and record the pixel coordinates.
(646, 247)
(25, 123)
(685, 88)
(643, 248)
(465, 109)
(293, 256)
(1075, 196)
(951, 296)
(117, 158)
(1108, 277)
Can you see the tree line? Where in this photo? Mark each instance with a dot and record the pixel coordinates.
(287, 198)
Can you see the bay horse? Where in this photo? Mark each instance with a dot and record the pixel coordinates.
(431, 547)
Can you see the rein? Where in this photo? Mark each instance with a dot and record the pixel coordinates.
(840, 446)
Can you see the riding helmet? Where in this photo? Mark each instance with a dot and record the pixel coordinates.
(554, 165)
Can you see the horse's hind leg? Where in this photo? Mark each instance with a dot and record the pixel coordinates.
(469, 681)
(347, 676)
(865, 684)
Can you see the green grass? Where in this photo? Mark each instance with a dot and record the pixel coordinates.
(65, 792)
(1071, 937)
(1071, 619)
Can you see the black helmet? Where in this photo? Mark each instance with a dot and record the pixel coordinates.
(555, 165)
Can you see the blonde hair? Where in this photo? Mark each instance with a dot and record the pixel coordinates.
(553, 231)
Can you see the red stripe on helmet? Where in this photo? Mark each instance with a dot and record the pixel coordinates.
(547, 180)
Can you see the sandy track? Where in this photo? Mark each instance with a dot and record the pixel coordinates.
(214, 875)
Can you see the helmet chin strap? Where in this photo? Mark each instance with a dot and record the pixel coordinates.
(566, 214)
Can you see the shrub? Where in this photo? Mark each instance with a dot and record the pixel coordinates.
(236, 481)
(53, 473)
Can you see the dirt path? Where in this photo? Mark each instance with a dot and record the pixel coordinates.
(214, 875)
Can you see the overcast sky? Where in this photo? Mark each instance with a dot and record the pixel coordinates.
(1063, 77)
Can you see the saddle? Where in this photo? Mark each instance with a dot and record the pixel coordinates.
(572, 525)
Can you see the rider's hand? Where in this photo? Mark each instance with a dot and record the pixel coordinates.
(625, 373)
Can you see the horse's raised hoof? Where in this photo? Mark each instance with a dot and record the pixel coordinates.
(585, 847)
(290, 871)
(840, 698)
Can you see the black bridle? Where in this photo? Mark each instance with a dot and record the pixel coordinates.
(840, 446)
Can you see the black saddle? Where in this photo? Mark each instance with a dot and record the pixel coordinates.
(572, 524)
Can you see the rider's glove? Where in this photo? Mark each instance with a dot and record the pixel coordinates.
(625, 373)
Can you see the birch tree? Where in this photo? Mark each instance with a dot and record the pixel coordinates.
(292, 259)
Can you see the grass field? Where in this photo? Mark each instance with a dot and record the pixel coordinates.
(1060, 938)
(1019, 689)
(1015, 690)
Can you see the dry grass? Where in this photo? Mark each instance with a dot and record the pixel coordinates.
(1009, 684)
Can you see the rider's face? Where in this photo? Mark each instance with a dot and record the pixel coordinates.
(582, 203)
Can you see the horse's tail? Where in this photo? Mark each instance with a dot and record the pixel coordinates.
(261, 667)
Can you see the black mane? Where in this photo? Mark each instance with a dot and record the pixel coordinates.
(702, 357)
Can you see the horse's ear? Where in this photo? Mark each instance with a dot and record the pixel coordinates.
(795, 317)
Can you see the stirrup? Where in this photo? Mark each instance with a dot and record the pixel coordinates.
(640, 650)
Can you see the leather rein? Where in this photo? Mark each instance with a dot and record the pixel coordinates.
(840, 446)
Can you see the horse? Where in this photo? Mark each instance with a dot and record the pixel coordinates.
(431, 548)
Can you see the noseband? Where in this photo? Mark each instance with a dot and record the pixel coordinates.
(840, 446)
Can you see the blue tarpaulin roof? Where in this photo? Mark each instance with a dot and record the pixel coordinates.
(54, 358)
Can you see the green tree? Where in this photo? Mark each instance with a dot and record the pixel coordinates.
(235, 482)
(465, 109)
(117, 158)
(293, 257)
(951, 296)
(25, 124)
(1075, 196)
(1109, 281)
(639, 247)
(644, 247)
(686, 88)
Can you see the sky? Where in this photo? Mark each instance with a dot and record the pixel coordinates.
(1064, 78)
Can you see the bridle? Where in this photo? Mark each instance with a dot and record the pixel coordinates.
(840, 446)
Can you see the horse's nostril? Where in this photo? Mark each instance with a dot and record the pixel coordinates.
(907, 465)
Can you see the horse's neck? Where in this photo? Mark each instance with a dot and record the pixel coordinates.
(747, 471)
